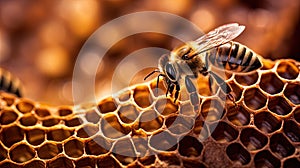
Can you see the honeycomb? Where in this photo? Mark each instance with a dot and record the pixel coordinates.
(141, 127)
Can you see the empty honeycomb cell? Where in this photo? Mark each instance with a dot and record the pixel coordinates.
(281, 146)
(247, 80)
(74, 148)
(253, 139)
(254, 98)
(22, 153)
(147, 160)
(11, 135)
(49, 150)
(179, 125)
(279, 106)
(97, 146)
(142, 96)
(28, 120)
(266, 159)
(87, 131)
(192, 164)
(123, 150)
(7, 117)
(60, 162)
(50, 122)
(73, 122)
(92, 116)
(292, 92)
(291, 163)
(3, 153)
(266, 122)
(239, 116)
(190, 146)
(42, 112)
(212, 110)
(35, 164)
(10, 100)
(107, 161)
(128, 113)
(159, 89)
(59, 134)
(271, 83)
(124, 96)
(150, 121)
(169, 159)
(238, 154)
(292, 130)
(112, 128)
(107, 105)
(287, 70)
(85, 162)
(35, 136)
(163, 141)
(223, 132)
(165, 106)
(64, 112)
(24, 106)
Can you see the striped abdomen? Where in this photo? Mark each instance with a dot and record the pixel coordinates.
(234, 57)
(9, 83)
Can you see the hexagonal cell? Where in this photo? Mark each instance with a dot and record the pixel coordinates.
(24, 106)
(50, 122)
(112, 128)
(291, 163)
(271, 83)
(85, 162)
(7, 117)
(142, 96)
(124, 96)
(292, 130)
(21, 153)
(281, 146)
(64, 111)
(190, 147)
(73, 122)
(239, 116)
(212, 110)
(128, 113)
(11, 135)
(60, 162)
(147, 160)
(292, 92)
(279, 106)
(9, 99)
(42, 112)
(223, 132)
(35, 136)
(165, 106)
(253, 139)
(92, 116)
(49, 150)
(107, 161)
(74, 148)
(3, 153)
(254, 98)
(87, 131)
(266, 159)
(28, 120)
(266, 122)
(287, 70)
(170, 159)
(35, 164)
(150, 121)
(97, 146)
(238, 154)
(297, 114)
(59, 134)
(107, 105)
(247, 80)
(179, 124)
(124, 152)
(163, 141)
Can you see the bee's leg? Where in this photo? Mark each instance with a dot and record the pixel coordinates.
(177, 91)
(157, 81)
(193, 92)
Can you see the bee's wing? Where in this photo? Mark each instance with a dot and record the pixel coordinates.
(219, 36)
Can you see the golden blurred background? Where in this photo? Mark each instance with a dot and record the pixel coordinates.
(40, 40)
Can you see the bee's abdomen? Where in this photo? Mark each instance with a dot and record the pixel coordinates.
(234, 57)
(9, 83)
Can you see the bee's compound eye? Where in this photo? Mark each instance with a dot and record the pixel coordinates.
(184, 53)
(170, 70)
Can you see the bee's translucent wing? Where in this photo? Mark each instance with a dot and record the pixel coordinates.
(219, 36)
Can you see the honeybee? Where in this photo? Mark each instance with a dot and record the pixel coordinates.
(196, 57)
(9, 83)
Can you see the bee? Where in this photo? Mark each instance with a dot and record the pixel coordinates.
(215, 48)
(9, 83)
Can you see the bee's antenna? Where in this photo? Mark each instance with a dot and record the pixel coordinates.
(151, 73)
